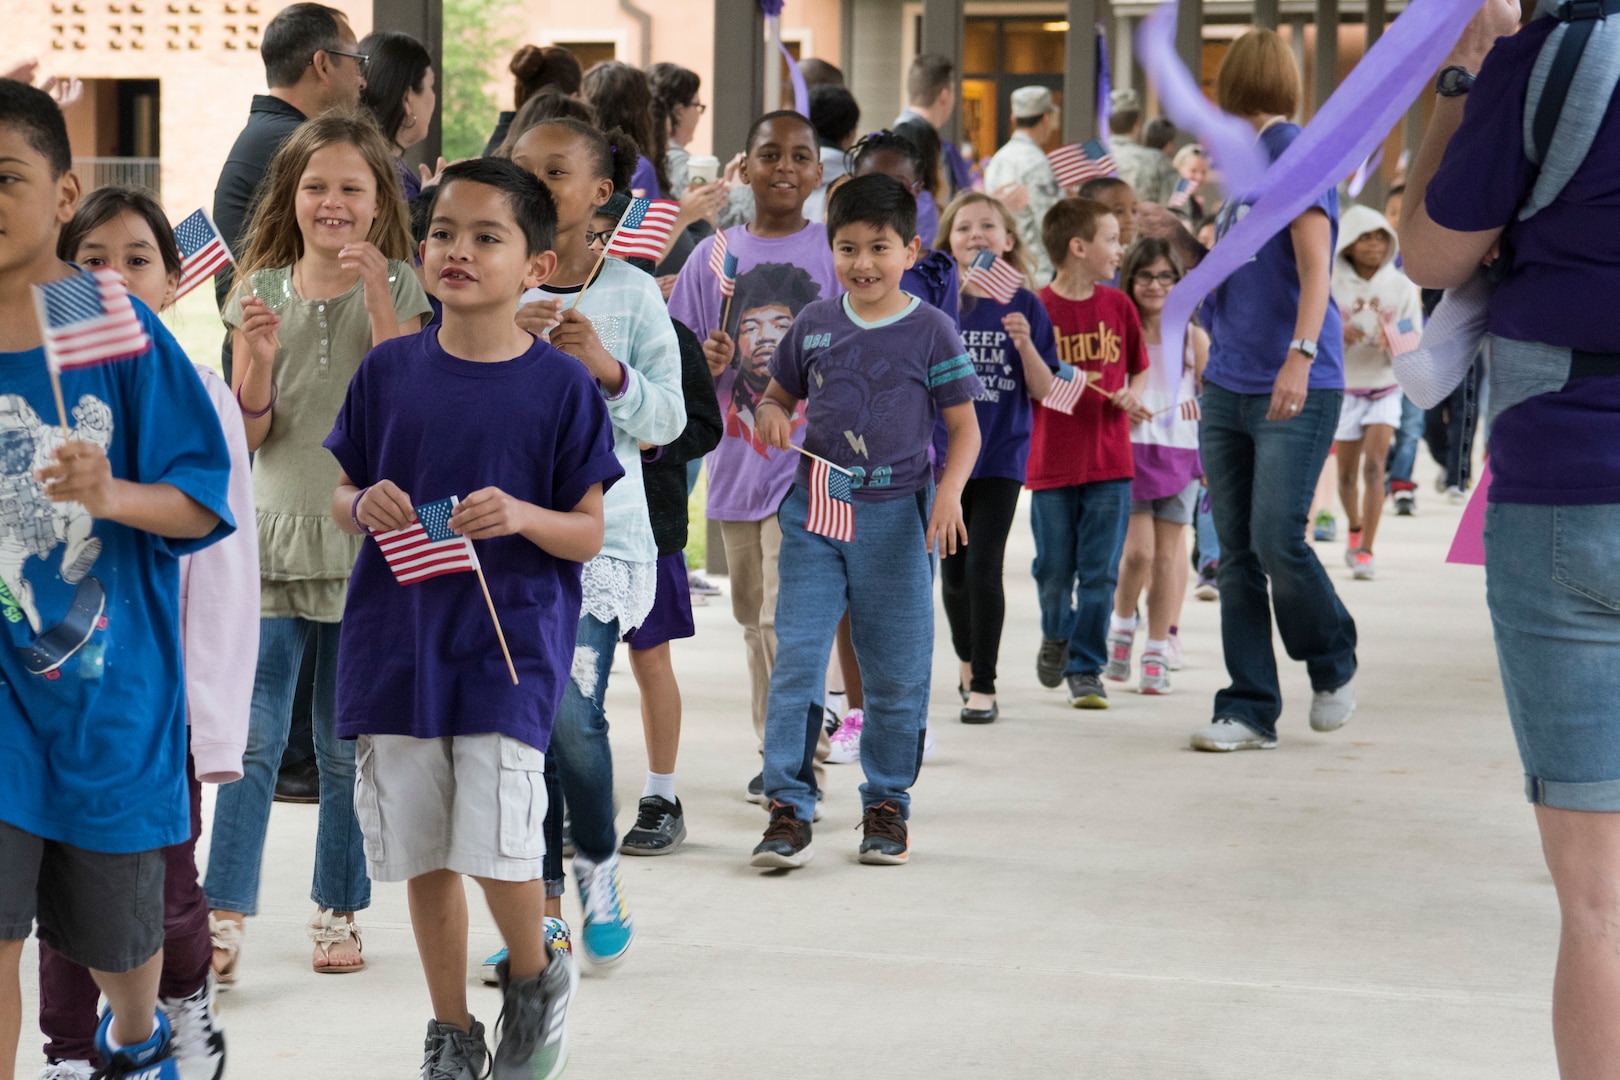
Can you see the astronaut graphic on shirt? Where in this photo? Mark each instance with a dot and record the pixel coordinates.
(30, 523)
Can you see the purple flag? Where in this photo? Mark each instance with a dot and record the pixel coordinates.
(1229, 140)
(1348, 127)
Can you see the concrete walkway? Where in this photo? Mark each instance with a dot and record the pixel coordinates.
(1087, 896)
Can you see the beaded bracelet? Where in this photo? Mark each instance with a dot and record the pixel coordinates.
(275, 392)
(354, 509)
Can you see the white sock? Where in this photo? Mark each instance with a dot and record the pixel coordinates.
(660, 784)
(1117, 625)
(1158, 646)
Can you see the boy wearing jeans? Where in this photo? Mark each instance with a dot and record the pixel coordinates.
(93, 522)
(1080, 465)
(875, 367)
(451, 756)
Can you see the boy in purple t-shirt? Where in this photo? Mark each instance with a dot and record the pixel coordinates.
(874, 367)
(451, 754)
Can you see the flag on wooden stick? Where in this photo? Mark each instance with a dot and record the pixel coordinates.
(832, 508)
(644, 229)
(1403, 335)
(724, 265)
(1068, 383)
(994, 276)
(1078, 162)
(202, 251)
(427, 548)
(86, 319)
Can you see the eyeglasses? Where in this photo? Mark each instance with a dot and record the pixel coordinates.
(699, 106)
(597, 237)
(1167, 278)
(360, 58)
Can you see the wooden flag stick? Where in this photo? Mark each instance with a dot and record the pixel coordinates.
(501, 637)
(61, 404)
(818, 457)
(725, 312)
(600, 259)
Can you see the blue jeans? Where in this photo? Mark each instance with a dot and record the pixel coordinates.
(1079, 534)
(1209, 545)
(242, 811)
(1553, 584)
(1403, 451)
(579, 741)
(886, 581)
(1261, 475)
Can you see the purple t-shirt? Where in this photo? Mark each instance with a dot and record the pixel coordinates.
(422, 659)
(1005, 412)
(645, 179)
(1257, 306)
(1561, 448)
(872, 390)
(776, 278)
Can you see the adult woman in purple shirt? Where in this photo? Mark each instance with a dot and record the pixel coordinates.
(1552, 534)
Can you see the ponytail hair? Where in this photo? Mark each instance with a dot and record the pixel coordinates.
(535, 68)
(613, 154)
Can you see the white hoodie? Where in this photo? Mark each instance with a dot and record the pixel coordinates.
(1362, 302)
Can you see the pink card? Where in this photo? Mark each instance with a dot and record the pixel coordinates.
(1468, 546)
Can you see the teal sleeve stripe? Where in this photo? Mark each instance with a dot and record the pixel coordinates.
(957, 367)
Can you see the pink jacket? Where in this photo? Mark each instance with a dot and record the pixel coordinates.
(219, 615)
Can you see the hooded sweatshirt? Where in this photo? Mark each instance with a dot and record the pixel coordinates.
(1364, 302)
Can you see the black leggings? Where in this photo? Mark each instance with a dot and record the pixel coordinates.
(971, 579)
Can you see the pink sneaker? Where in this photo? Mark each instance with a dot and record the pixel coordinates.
(845, 743)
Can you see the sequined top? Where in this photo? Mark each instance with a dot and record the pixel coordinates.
(304, 558)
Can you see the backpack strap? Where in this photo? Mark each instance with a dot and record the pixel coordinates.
(1580, 61)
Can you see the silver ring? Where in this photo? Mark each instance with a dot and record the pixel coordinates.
(1293, 408)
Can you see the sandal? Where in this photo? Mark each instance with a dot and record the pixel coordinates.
(225, 935)
(326, 930)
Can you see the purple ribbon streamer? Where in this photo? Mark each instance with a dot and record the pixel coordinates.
(801, 92)
(1364, 172)
(1105, 89)
(1348, 127)
(1229, 139)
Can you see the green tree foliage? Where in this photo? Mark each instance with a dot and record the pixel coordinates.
(476, 37)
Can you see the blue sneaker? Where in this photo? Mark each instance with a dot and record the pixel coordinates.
(608, 929)
(150, 1060)
(558, 936)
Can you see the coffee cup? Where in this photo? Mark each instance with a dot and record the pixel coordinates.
(703, 170)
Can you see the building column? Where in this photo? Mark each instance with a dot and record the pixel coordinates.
(1296, 42)
(1376, 17)
(942, 29)
(1327, 52)
(1266, 13)
(1080, 72)
(738, 94)
(424, 21)
(1190, 37)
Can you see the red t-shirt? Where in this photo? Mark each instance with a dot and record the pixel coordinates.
(1102, 337)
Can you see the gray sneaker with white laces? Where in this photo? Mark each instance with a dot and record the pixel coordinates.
(1223, 734)
(452, 1054)
(533, 1043)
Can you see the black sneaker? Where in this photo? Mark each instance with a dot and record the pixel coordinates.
(452, 1054)
(660, 827)
(1405, 503)
(786, 844)
(533, 1043)
(1049, 662)
(886, 842)
(1086, 692)
(756, 790)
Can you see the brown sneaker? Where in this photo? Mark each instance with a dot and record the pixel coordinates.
(886, 842)
(786, 844)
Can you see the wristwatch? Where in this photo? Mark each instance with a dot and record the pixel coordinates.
(1304, 346)
(1454, 81)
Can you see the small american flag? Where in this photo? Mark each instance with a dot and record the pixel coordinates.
(724, 265)
(994, 276)
(1403, 335)
(1183, 193)
(644, 229)
(1190, 410)
(87, 319)
(202, 251)
(1079, 162)
(428, 548)
(832, 510)
(1068, 383)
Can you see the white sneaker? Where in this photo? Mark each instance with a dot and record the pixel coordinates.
(928, 742)
(66, 1070)
(845, 743)
(1456, 495)
(1224, 734)
(1331, 708)
(1174, 655)
(1119, 657)
(1155, 674)
(195, 1034)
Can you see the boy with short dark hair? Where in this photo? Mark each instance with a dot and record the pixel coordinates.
(1080, 465)
(451, 754)
(94, 521)
(875, 366)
